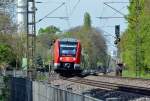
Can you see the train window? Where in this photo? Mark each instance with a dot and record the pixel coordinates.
(67, 43)
(68, 48)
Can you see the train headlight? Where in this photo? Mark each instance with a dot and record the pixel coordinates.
(74, 59)
(61, 59)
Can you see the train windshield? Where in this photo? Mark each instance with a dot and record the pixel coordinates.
(68, 48)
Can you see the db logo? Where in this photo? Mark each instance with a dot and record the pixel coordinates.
(67, 59)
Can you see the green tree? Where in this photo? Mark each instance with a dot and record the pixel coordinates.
(128, 42)
(39, 61)
(93, 43)
(87, 21)
(6, 55)
(94, 48)
(44, 40)
(49, 30)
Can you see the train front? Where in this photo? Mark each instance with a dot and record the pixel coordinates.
(67, 54)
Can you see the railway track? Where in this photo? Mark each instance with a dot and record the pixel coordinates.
(112, 86)
(107, 85)
(129, 78)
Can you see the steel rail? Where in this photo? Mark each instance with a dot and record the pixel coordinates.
(112, 86)
(128, 78)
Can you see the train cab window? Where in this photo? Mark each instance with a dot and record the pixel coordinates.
(68, 49)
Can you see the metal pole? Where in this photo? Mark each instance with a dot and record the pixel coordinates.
(27, 50)
(31, 33)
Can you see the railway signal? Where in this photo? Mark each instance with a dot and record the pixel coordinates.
(117, 33)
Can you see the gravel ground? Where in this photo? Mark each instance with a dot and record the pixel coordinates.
(141, 83)
(95, 92)
(77, 88)
(113, 95)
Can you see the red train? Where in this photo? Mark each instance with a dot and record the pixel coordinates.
(67, 54)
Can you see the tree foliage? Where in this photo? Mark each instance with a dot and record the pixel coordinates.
(93, 43)
(87, 21)
(94, 49)
(6, 55)
(44, 42)
(9, 38)
(138, 25)
(39, 61)
(49, 30)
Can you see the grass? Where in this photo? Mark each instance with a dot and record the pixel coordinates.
(41, 77)
(127, 73)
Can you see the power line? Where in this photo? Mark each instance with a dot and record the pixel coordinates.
(69, 7)
(116, 2)
(74, 8)
(54, 2)
(50, 12)
(114, 9)
(59, 17)
(131, 19)
(108, 26)
(102, 14)
(108, 34)
(67, 20)
(110, 17)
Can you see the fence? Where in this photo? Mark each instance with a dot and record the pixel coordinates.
(21, 73)
(1, 84)
(15, 73)
(45, 92)
(20, 89)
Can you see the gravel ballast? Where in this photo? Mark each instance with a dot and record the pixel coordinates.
(132, 82)
(102, 94)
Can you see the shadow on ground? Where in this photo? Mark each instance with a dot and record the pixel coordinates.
(115, 95)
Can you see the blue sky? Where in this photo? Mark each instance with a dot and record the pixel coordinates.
(96, 8)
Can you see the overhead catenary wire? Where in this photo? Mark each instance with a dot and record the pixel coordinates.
(67, 20)
(69, 5)
(59, 17)
(50, 12)
(116, 2)
(131, 19)
(50, 1)
(109, 34)
(74, 8)
(114, 9)
(102, 13)
(112, 15)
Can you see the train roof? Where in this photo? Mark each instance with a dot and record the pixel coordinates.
(69, 40)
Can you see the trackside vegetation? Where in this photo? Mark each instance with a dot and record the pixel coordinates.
(129, 40)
